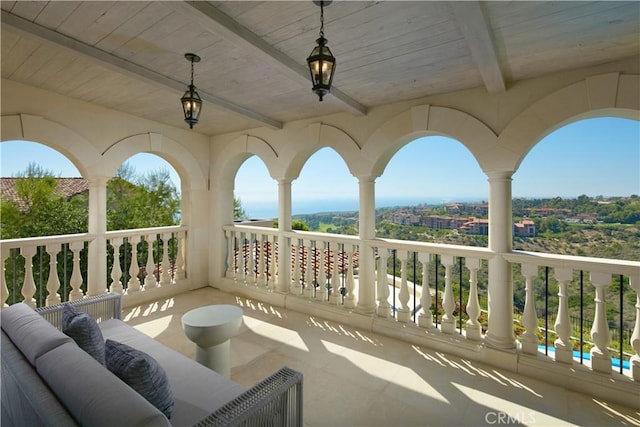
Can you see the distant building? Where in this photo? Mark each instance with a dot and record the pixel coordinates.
(476, 226)
(524, 228)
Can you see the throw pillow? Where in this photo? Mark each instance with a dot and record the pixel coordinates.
(84, 330)
(142, 373)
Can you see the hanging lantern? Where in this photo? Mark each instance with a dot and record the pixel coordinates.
(191, 102)
(321, 61)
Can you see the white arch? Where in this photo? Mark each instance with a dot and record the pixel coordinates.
(226, 165)
(77, 149)
(609, 94)
(426, 120)
(317, 136)
(191, 175)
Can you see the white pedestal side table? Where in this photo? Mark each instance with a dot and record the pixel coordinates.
(211, 328)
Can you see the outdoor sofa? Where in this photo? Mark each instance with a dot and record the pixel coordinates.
(48, 380)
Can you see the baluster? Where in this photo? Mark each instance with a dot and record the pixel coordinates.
(448, 303)
(165, 265)
(308, 271)
(404, 313)
(260, 244)
(473, 328)
(181, 271)
(28, 286)
(116, 270)
(349, 298)
(243, 262)
(134, 269)
(384, 309)
(564, 349)
(53, 282)
(273, 265)
(150, 279)
(321, 291)
(425, 320)
(231, 251)
(251, 264)
(634, 283)
(336, 297)
(296, 286)
(4, 291)
(600, 355)
(76, 275)
(530, 317)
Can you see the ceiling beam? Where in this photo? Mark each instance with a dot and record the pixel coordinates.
(213, 19)
(475, 29)
(31, 29)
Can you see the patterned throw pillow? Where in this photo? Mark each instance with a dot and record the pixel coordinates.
(84, 330)
(142, 373)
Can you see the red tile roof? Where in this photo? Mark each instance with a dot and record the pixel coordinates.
(67, 187)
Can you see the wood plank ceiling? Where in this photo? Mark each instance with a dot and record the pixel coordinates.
(129, 55)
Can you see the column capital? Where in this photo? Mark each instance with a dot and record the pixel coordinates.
(499, 175)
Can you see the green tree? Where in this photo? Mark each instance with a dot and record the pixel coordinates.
(238, 211)
(42, 210)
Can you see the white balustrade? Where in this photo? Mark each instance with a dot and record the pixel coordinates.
(600, 354)
(448, 303)
(321, 291)
(134, 282)
(76, 275)
(181, 256)
(53, 282)
(384, 308)
(116, 270)
(296, 286)
(425, 320)
(473, 328)
(349, 298)
(634, 282)
(29, 286)
(404, 313)
(308, 268)
(336, 296)
(563, 347)
(530, 317)
(231, 253)
(4, 291)
(165, 265)
(251, 260)
(150, 281)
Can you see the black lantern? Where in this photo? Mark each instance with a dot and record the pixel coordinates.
(321, 61)
(191, 102)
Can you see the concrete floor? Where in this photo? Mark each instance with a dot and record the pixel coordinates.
(359, 378)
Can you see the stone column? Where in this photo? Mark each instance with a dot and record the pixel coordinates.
(366, 230)
(284, 245)
(500, 332)
(97, 256)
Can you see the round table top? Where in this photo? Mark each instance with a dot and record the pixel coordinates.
(211, 315)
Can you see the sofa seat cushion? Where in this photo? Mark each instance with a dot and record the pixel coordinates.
(84, 330)
(142, 373)
(197, 390)
(32, 334)
(93, 395)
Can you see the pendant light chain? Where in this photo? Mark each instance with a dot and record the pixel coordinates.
(322, 19)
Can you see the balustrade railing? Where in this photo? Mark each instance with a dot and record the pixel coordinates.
(44, 270)
(441, 287)
(47, 270)
(589, 297)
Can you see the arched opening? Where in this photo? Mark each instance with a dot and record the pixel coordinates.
(579, 185)
(255, 192)
(325, 195)
(433, 190)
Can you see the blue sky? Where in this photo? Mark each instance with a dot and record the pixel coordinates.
(593, 157)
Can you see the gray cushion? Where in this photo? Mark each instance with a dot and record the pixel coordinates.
(197, 390)
(84, 330)
(33, 335)
(93, 395)
(142, 373)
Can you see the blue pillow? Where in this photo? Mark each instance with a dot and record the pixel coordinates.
(84, 330)
(142, 373)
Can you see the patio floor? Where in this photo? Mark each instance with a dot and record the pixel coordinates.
(359, 378)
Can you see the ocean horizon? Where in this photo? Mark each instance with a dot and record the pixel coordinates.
(269, 209)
